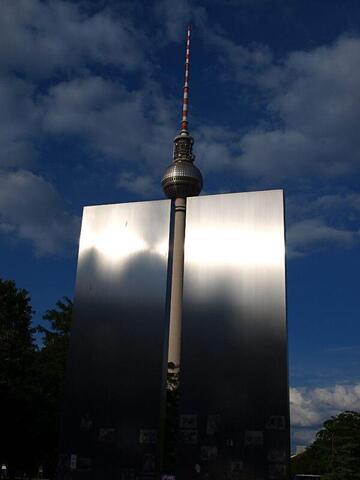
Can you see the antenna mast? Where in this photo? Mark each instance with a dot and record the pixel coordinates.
(185, 108)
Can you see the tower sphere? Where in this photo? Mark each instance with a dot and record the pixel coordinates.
(182, 179)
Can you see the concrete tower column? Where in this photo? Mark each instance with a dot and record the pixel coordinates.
(177, 278)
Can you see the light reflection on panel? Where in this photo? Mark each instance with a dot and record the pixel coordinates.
(234, 385)
(113, 386)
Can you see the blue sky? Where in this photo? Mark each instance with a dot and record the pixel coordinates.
(90, 97)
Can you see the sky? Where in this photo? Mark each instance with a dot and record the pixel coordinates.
(90, 95)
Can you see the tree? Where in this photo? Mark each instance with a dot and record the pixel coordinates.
(17, 357)
(335, 453)
(51, 363)
(340, 441)
(53, 355)
(31, 381)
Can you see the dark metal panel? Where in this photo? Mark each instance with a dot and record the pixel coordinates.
(234, 411)
(113, 385)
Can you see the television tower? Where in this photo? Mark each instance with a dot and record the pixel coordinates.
(181, 179)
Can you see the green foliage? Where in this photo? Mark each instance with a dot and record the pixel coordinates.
(31, 381)
(17, 357)
(50, 367)
(53, 355)
(335, 453)
(16, 334)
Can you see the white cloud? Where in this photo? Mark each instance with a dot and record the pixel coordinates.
(276, 154)
(132, 127)
(319, 222)
(302, 411)
(244, 62)
(338, 205)
(215, 146)
(142, 185)
(349, 200)
(19, 120)
(318, 104)
(40, 38)
(311, 407)
(175, 14)
(313, 104)
(31, 208)
(313, 234)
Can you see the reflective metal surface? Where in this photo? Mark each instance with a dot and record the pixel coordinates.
(234, 419)
(113, 384)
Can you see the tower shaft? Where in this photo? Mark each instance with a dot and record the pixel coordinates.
(177, 278)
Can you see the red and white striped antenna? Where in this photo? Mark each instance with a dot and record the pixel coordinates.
(185, 108)
(182, 178)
